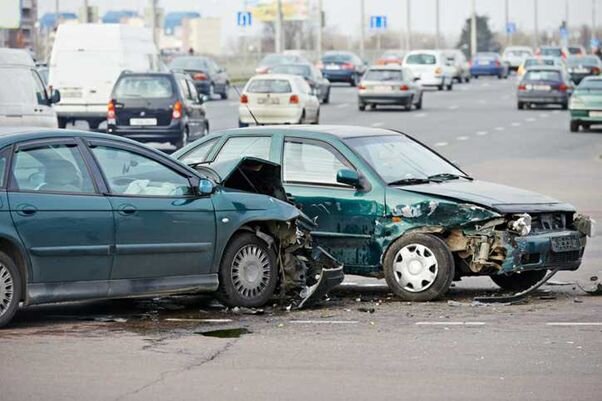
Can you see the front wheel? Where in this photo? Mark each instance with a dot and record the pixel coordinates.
(361, 107)
(408, 106)
(10, 289)
(419, 267)
(248, 272)
(450, 86)
(326, 99)
(224, 94)
(574, 126)
(520, 105)
(519, 281)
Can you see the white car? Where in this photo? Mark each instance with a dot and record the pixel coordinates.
(516, 55)
(432, 67)
(278, 99)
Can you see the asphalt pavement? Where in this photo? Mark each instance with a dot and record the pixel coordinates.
(362, 343)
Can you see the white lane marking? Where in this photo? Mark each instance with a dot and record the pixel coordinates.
(544, 115)
(574, 324)
(378, 124)
(420, 115)
(450, 323)
(462, 138)
(530, 119)
(439, 144)
(482, 133)
(499, 128)
(323, 321)
(454, 107)
(342, 105)
(516, 124)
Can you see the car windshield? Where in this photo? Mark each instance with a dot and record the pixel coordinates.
(575, 50)
(269, 86)
(189, 63)
(18, 86)
(383, 75)
(576, 61)
(517, 53)
(556, 52)
(421, 59)
(301, 70)
(274, 59)
(542, 75)
(590, 84)
(397, 157)
(147, 87)
(336, 58)
(538, 61)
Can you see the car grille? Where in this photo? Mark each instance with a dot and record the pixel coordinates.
(549, 222)
(565, 257)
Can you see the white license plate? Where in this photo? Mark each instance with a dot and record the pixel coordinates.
(581, 70)
(383, 88)
(333, 67)
(483, 62)
(143, 121)
(541, 87)
(268, 100)
(595, 113)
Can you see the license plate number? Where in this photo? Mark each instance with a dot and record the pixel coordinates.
(595, 113)
(333, 67)
(143, 121)
(263, 100)
(483, 62)
(383, 88)
(566, 244)
(581, 70)
(541, 87)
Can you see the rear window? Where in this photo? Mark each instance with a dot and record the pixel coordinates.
(337, 58)
(384, 75)
(573, 61)
(486, 57)
(595, 84)
(144, 87)
(540, 75)
(269, 86)
(421, 59)
(190, 64)
(302, 70)
(551, 52)
(532, 62)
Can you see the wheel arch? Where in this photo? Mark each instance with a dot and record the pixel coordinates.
(17, 253)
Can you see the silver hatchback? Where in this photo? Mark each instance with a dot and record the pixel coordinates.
(389, 85)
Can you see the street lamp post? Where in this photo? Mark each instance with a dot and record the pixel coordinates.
(437, 34)
(408, 25)
(473, 29)
(319, 33)
(278, 28)
(362, 33)
(536, 23)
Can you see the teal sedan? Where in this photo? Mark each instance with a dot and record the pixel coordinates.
(586, 104)
(387, 206)
(89, 216)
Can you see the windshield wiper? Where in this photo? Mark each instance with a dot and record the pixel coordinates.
(448, 176)
(410, 181)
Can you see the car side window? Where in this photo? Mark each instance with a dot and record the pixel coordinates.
(3, 161)
(41, 96)
(311, 163)
(52, 168)
(184, 88)
(237, 147)
(200, 153)
(132, 174)
(193, 92)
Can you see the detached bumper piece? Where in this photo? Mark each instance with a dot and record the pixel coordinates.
(330, 276)
(519, 295)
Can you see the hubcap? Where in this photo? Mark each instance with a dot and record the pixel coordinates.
(251, 271)
(415, 267)
(6, 289)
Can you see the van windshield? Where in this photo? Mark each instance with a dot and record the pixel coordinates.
(18, 86)
(148, 87)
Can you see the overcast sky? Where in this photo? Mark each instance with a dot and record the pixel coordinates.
(344, 14)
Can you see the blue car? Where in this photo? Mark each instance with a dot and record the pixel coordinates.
(339, 66)
(488, 64)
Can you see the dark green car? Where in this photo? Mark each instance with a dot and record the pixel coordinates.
(86, 216)
(386, 205)
(586, 104)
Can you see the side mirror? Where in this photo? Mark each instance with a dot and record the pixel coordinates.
(200, 98)
(416, 79)
(349, 177)
(55, 96)
(206, 187)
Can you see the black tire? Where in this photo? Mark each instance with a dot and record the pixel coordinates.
(520, 105)
(574, 126)
(361, 106)
(302, 118)
(467, 79)
(317, 121)
(450, 86)
(475, 76)
(500, 76)
(233, 289)
(10, 275)
(565, 106)
(62, 122)
(440, 87)
(354, 81)
(224, 94)
(408, 106)
(445, 268)
(183, 141)
(518, 281)
(93, 124)
(419, 103)
(327, 97)
(587, 127)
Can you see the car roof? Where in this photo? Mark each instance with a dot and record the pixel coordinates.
(337, 131)
(16, 57)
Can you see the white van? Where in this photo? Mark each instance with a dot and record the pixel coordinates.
(24, 101)
(86, 61)
(432, 67)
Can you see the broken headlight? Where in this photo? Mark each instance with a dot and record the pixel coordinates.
(520, 224)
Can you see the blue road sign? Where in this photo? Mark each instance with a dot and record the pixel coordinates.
(511, 27)
(243, 18)
(564, 33)
(378, 22)
(594, 42)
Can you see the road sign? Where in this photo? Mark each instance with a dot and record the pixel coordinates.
(511, 27)
(594, 43)
(378, 22)
(243, 18)
(564, 33)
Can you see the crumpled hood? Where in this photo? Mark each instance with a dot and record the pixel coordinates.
(501, 198)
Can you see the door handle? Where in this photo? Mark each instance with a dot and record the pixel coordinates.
(126, 210)
(26, 210)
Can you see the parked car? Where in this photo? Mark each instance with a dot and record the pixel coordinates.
(273, 59)
(87, 59)
(24, 99)
(209, 78)
(90, 216)
(386, 205)
(342, 66)
(458, 60)
(544, 86)
(552, 51)
(157, 107)
(514, 56)
(580, 67)
(540, 61)
(313, 76)
(390, 57)
(278, 99)
(432, 67)
(586, 104)
(389, 85)
(488, 64)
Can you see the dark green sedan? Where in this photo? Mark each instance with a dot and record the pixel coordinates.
(86, 216)
(388, 206)
(586, 104)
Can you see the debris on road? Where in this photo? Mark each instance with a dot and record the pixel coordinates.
(592, 289)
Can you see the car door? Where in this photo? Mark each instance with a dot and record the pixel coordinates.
(191, 107)
(198, 110)
(312, 104)
(61, 216)
(346, 216)
(162, 228)
(45, 116)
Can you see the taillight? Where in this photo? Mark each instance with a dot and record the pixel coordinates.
(111, 116)
(261, 70)
(294, 99)
(563, 87)
(522, 87)
(438, 71)
(199, 76)
(244, 99)
(497, 63)
(176, 113)
(595, 70)
(348, 66)
(361, 86)
(404, 87)
(320, 66)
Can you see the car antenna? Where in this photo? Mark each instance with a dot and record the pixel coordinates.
(248, 108)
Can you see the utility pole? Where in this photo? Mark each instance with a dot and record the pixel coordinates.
(86, 11)
(319, 33)
(408, 25)
(507, 14)
(278, 28)
(593, 20)
(473, 29)
(362, 33)
(437, 33)
(154, 20)
(57, 8)
(536, 23)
